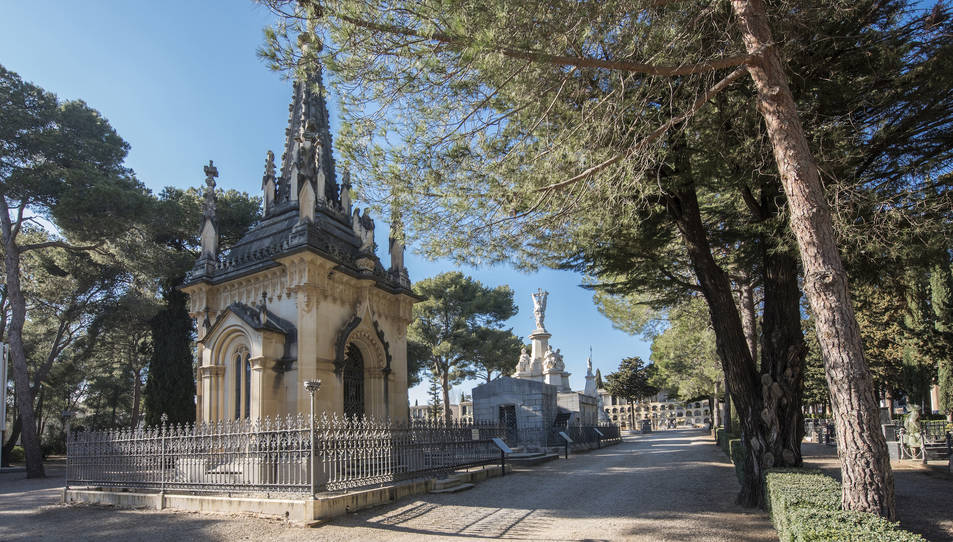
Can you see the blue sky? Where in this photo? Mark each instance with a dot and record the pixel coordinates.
(181, 83)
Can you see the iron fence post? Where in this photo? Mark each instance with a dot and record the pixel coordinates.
(162, 432)
(312, 386)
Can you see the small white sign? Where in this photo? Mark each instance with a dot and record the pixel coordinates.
(476, 434)
(502, 445)
(565, 436)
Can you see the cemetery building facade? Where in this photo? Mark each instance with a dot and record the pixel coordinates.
(302, 296)
(659, 409)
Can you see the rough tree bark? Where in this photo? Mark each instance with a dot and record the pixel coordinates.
(749, 319)
(782, 354)
(730, 342)
(865, 465)
(21, 378)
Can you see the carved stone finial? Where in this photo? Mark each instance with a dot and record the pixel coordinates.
(262, 308)
(269, 184)
(395, 242)
(209, 232)
(346, 191)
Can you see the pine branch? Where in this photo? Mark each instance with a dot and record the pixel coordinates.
(659, 132)
(60, 244)
(558, 60)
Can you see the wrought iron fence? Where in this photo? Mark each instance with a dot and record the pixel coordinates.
(274, 455)
(934, 430)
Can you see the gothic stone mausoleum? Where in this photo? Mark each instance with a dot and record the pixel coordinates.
(302, 295)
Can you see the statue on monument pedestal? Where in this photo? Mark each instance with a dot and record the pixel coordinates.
(523, 365)
(539, 308)
(209, 233)
(553, 360)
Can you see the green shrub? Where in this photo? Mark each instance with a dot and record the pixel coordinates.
(845, 526)
(17, 455)
(738, 453)
(805, 507)
(722, 438)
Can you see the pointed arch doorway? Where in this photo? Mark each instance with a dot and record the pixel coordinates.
(353, 380)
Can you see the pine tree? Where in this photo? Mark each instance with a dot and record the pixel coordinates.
(170, 388)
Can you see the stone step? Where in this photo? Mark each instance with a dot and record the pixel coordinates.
(453, 489)
(449, 482)
(530, 459)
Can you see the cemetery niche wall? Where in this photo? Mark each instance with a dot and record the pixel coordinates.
(302, 295)
(534, 403)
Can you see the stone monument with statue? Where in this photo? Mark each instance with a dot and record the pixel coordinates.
(537, 398)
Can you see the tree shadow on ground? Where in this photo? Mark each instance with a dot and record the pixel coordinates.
(924, 494)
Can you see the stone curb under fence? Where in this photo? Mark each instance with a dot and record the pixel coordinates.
(264, 466)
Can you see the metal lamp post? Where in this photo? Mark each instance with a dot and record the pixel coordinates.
(66, 415)
(312, 386)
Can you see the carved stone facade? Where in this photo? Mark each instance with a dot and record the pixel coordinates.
(302, 295)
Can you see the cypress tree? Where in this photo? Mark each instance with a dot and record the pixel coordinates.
(941, 297)
(170, 387)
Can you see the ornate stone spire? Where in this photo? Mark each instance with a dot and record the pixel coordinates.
(308, 130)
(209, 232)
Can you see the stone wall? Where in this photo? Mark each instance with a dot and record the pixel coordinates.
(535, 402)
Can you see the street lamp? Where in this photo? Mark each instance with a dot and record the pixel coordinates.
(312, 386)
(66, 415)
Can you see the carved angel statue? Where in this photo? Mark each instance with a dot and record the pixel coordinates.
(539, 307)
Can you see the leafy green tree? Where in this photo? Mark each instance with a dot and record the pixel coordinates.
(170, 387)
(63, 162)
(685, 354)
(456, 309)
(494, 352)
(941, 297)
(418, 359)
(541, 90)
(631, 382)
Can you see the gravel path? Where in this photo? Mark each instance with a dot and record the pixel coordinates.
(667, 486)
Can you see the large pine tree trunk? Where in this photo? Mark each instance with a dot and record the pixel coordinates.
(730, 342)
(749, 319)
(783, 349)
(865, 465)
(21, 378)
(782, 354)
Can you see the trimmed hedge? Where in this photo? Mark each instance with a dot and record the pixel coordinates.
(805, 507)
(737, 452)
(722, 438)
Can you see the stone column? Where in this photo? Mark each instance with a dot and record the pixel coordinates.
(264, 396)
(307, 302)
(540, 341)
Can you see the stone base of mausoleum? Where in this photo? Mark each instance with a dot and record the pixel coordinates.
(323, 507)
